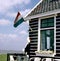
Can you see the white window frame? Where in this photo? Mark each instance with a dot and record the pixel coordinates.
(39, 21)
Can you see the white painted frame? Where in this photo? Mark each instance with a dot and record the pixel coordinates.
(43, 14)
(55, 34)
(39, 21)
(33, 8)
(38, 35)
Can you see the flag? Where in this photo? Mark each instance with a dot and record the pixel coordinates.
(18, 20)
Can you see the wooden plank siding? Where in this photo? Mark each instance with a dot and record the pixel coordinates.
(44, 6)
(33, 35)
(57, 37)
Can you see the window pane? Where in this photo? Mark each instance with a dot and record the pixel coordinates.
(42, 40)
(48, 22)
(47, 40)
(43, 21)
(50, 25)
(51, 41)
(48, 43)
(43, 25)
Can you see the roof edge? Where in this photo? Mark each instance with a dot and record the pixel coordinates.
(33, 8)
(54, 12)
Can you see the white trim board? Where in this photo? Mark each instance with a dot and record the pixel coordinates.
(55, 34)
(33, 8)
(43, 14)
(38, 35)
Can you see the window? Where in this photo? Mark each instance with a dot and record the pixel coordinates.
(49, 22)
(47, 40)
(47, 34)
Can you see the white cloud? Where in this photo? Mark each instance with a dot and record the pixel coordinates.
(23, 32)
(5, 4)
(12, 42)
(8, 36)
(11, 14)
(4, 22)
(12, 36)
(25, 12)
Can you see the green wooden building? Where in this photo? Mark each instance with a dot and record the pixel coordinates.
(44, 20)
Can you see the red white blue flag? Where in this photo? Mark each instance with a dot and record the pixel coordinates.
(18, 20)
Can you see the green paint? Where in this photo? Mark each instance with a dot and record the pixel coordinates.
(18, 22)
(48, 22)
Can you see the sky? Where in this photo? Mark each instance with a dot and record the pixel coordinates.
(14, 38)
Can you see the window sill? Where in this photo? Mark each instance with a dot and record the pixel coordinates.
(45, 53)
